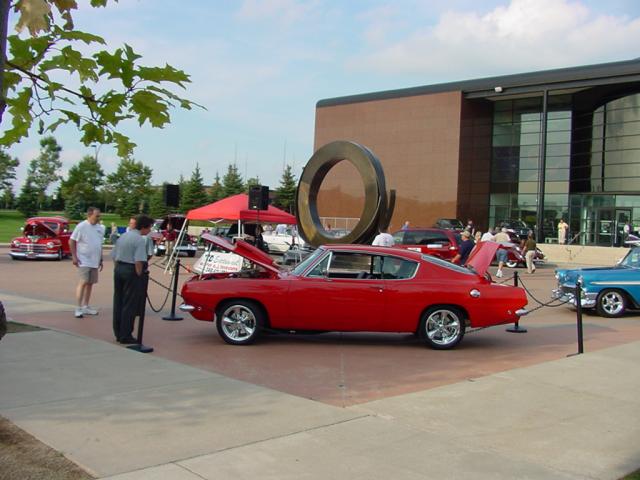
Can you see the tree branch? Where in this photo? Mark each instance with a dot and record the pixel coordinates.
(35, 76)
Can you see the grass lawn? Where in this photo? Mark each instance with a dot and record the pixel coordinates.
(11, 222)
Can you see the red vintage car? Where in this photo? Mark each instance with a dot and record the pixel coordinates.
(42, 237)
(353, 288)
(438, 242)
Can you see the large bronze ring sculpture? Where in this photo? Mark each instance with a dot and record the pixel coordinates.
(378, 207)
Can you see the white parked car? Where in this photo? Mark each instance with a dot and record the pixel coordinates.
(281, 242)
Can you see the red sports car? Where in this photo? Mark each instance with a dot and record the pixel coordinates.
(42, 237)
(354, 288)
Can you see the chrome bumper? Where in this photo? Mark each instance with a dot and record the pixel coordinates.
(33, 255)
(588, 299)
(187, 308)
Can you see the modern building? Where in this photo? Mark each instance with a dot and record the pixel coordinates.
(536, 146)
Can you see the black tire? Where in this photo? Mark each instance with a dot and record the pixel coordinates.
(611, 303)
(439, 321)
(60, 255)
(240, 322)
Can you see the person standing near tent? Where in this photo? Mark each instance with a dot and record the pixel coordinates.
(169, 240)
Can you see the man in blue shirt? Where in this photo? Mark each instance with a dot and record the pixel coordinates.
(464, 249)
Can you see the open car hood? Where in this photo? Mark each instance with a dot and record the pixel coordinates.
(245, 250)
(38, 228)
(482, 256)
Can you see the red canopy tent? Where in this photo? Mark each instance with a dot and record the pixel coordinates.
(237, 208)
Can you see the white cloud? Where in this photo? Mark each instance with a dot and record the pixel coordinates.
(522, 35)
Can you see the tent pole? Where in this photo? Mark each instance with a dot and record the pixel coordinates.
(174, 253)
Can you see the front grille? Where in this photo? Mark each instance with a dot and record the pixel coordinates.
(31, 247)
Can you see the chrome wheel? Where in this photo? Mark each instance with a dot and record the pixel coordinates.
(443, 327)
(611, 303)
(239, 322)
(511, 263)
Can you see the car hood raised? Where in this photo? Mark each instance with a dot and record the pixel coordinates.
(482, 256)
(38, 228)
(245, 250)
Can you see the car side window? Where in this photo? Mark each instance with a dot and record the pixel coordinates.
(351, 265)
(394, 268)
(398, 238)
(321, 268)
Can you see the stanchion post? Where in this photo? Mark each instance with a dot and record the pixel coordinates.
(176, 272)
(516, 326)
(140, 347)
(579, 315)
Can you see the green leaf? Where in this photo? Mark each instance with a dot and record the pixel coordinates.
(72, 116)
(123, 144)
(20, 109)
(85, 37)
(109, 107)
(56, 124)
(149, 106)
(163, 74)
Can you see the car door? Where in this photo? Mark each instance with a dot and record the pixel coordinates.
(342, 292)
(404, 296)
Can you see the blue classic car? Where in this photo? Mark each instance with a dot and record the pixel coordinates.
(610, 290)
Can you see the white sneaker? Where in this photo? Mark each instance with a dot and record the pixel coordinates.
(87, 310)
(78, 312)
(499, 274)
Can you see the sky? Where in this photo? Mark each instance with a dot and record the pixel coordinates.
(259, 66)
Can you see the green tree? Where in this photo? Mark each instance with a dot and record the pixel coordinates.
(217, 191)
(83, 182)
(251, 182)
(157, 207)
(130, 186)
(36, 72)
(44, 169)
(232, 182)
(8, 167)
(8, 199)
(286, 192)
(27, 202)
(74, 207)
(194, 194)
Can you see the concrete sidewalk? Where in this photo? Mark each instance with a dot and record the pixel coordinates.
(125, 415)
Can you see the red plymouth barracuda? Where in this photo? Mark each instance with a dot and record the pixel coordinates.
(354, 288)
(42, 237)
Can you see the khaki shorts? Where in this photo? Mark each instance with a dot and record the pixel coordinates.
(88, 274)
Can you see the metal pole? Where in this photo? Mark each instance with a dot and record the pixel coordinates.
(516, 326)
(542, 165)
(176, 272)
(579, 316)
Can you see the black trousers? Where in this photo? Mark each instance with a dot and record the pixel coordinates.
(128, 296)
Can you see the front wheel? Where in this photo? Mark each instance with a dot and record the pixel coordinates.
(442, 328)
(611, 303)
(240, 322)
(512, 263)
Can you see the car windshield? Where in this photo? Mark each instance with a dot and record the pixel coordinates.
(445, 264)
(302, 266)
(632, 259)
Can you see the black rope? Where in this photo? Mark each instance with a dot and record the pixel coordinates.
(543, 304)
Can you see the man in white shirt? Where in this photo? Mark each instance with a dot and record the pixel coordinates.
(488, 236)
(383, 239)
(86, 251)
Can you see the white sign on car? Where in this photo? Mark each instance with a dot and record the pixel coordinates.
(218, 262)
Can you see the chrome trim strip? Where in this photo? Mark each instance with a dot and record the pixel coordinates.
(616, 283)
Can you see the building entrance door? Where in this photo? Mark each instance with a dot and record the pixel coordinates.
(605, 227)
(623, 216)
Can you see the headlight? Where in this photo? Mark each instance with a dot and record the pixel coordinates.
(50, 245)
(15, 243)
(557, 276)
(580, 280)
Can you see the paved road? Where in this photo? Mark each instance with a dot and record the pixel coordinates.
(338, 369)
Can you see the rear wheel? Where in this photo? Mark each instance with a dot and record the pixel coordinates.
(611, 303)
(512, 263)
(240, 322)
(442, 327)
